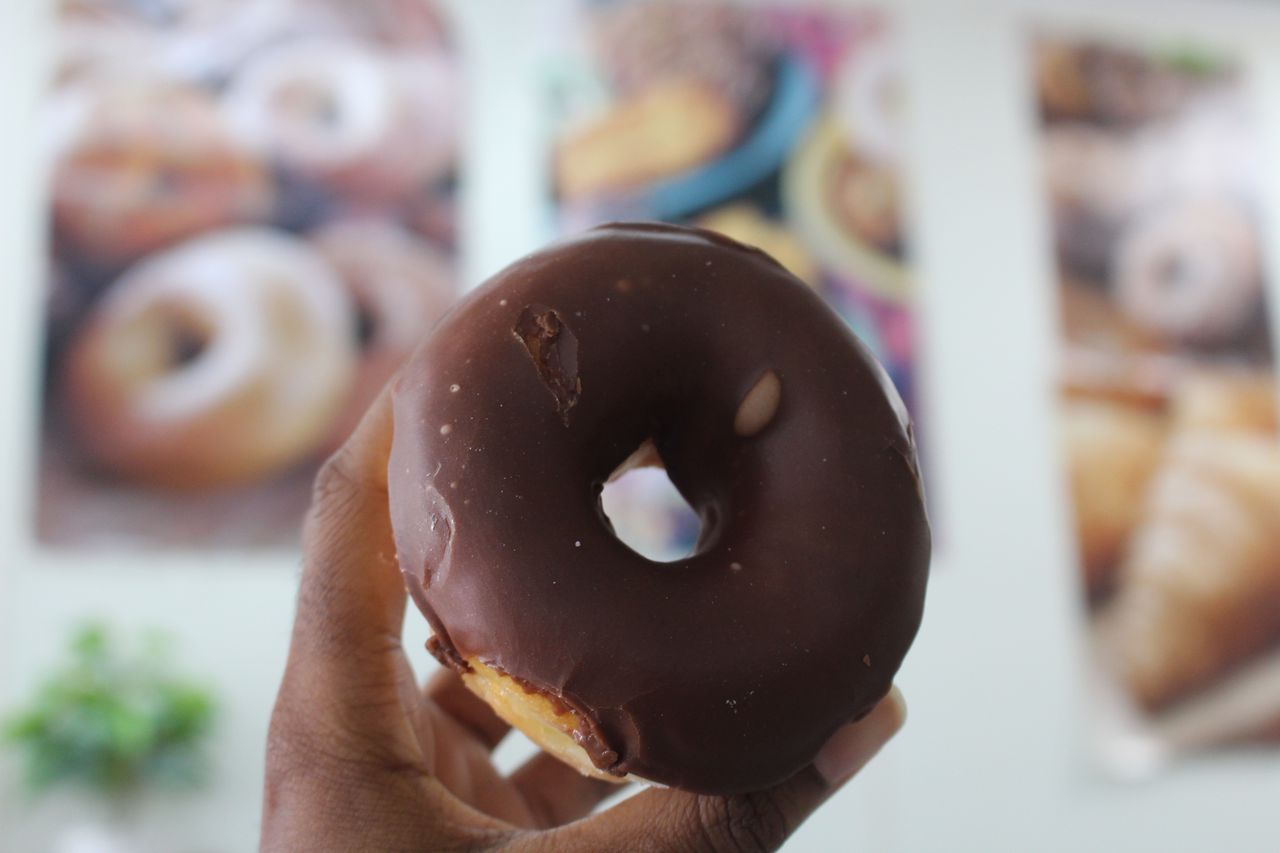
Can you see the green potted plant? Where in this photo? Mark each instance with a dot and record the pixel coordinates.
(116, 724)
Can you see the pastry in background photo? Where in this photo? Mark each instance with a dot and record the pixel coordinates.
(865, 200)
(141, 164)
(1061, 88)
(1106, 357)
(1138, 380)
(1109, 85)
(1190, 271)
(745, 223)
(1270, 732)
(65, 301)
(433, 216)
(665, 130)
(867, 109)
(1197, 593)
(1227, 399)
(400, 287)
(849, 217)
(1112, 452)
(687, 80)
(1090, 318)
(1208, 149)
(216, 363)
(341, 114)
(842, 186)
(867, 100)
(1091, 180)
(718, 45)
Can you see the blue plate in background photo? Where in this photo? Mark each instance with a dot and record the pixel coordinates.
(796, 101)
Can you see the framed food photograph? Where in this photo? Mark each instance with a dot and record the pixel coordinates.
(251, 214)
(1154, 171)
(777, 124)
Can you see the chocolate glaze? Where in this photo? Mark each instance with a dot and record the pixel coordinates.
(723, 672)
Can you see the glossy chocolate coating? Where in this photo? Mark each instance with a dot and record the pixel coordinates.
(720, 673)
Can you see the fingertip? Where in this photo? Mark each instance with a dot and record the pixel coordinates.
(896, 708)
(852, 746)
(371, 439)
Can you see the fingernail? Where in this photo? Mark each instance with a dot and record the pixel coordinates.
(852, 746)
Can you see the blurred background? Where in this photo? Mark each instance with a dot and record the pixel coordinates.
(225, 223)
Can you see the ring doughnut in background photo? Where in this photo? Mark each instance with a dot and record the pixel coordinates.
(1191, 270)
(347, 117)
(140, 163)
(400, 287)
(213, 364)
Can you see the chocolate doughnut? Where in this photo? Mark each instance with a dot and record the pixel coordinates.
(723, 672)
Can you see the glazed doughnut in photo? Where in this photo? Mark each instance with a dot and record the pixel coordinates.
(342, 114)
(868, 102)
(400, 286)
(1191, 272)
(140, 164)
(216, 363)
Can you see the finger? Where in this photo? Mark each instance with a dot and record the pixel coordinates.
(451, 696)
(557, 794)
(351, 599)
(743, 823)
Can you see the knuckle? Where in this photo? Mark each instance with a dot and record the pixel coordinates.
(337, 480)
(744, 823)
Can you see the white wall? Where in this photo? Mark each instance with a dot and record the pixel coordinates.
(993, 756)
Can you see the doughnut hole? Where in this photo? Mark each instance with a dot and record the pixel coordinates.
(169, 336)
(550, 724)
(644, 510)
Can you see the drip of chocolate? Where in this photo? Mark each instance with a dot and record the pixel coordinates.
(720, 673)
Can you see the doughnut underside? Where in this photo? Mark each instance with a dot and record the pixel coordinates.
(547, 723)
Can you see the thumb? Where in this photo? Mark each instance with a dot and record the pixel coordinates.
(661, 820)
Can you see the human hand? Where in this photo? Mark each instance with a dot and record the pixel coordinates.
(360, 757)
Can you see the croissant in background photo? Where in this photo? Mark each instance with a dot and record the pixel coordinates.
(1199, 590)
